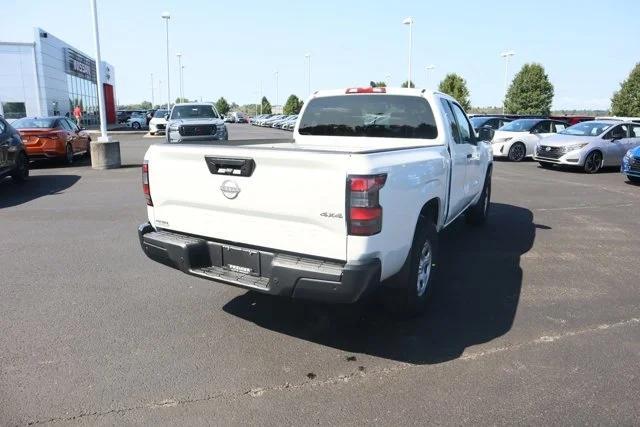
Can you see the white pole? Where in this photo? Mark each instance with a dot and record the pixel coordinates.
(182, 80)
(429, 68)
(409, 21)
(388, 80)
(308, 57)
(277, 94)
(506, 55)
(166, 17)
(180, 75)
(103, 114)
(153, 103)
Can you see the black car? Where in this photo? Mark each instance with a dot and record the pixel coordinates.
(13, 155)
(489, 122)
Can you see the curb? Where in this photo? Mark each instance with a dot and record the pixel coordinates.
(116, 132)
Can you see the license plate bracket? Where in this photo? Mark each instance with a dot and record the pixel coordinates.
(244, 261)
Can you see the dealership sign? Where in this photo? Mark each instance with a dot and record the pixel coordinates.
(79, 65)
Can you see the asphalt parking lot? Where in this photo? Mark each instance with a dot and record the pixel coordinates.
(536, 319)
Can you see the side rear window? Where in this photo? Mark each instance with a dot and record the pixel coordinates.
(379, 116)
(446, 107)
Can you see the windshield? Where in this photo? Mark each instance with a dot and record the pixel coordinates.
(587, 129)
(381, 116)
(27, 123)
(193, 112)
(478, 121)
(160, 113)
(522, 125)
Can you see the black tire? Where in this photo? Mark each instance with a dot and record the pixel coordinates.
(546, 165)
(68, 155)
(634, 179)
(517, 152)
(405, 296)
(135, 125)
(152, 133)
(593, 162)
(478, 213)
(21, 172)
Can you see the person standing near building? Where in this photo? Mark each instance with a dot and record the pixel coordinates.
(77, 113)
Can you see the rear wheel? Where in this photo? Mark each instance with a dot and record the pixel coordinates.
(21, 172)
(546, 165)
(415, 282)
(135, 125)
(593, 162)
(152, 133)
(634, 179)
(517, 152)
(68, 155)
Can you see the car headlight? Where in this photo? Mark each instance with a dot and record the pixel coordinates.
(501, 140)
(174, 128)
(574, 147)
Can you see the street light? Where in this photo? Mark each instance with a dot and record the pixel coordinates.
(166, 16)
(387, 79)
(105, 153)
(307, 57)
(182, 81)
(429, 68)
(179, 55)
(506, 55)
(277, 89)
(409, 21)
(152, 99)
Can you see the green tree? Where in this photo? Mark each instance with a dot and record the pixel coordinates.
(377, 84)
(181, 100)
(455, 86)
(626, 101)
(222, 106)
(293, 105)
(410, 84)
(266, 106)
(531, 92)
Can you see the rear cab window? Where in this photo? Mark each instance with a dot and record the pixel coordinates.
(371, 115)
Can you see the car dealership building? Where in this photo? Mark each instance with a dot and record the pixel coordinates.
(50, 77)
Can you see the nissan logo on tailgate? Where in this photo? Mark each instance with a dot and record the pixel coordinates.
(230, 189)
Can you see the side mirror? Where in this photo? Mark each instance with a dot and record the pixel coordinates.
(485, 133)
(166, 116)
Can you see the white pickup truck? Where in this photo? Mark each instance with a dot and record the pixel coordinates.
(352, 205)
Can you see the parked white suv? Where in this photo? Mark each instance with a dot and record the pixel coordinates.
(353, 205)
(158, 123)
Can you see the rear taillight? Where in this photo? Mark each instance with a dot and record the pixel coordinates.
(145, 183)
(367, 89)
(365, 212)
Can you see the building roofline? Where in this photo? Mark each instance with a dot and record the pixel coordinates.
(18, 43)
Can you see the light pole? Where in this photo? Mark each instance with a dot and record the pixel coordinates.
(277, 94)
(182, 81)
(153, 103)
(429, 68)
(105, 153)
(307, 57)
(166, 16)
(179, 55)
(506, 55)
(387, 79)
(409, 21)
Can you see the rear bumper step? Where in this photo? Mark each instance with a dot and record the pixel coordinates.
(261, 270)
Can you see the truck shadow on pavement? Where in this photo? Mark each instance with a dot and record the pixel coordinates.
(475, 302)
(14, 194)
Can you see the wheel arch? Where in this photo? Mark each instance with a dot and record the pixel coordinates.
(431, 211)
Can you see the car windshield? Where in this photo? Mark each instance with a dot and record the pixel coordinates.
(381, 116)
(522, 125)
(478, 121)
(193, 112)
(160, 113)
(27, 123)
(587, 129)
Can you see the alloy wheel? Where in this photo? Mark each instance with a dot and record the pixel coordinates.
(424, 269)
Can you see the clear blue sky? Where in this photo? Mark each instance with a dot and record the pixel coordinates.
(587, 47)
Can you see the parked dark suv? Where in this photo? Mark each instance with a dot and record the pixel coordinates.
(13, 156)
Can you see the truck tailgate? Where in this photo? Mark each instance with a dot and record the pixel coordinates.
(291, 202)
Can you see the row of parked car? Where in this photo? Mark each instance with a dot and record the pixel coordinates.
(277, 121)
(590, 143)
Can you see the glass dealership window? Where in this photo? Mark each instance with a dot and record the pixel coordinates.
(84, 93)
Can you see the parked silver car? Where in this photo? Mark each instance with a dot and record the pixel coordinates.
(590, 145)
(195, 122)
